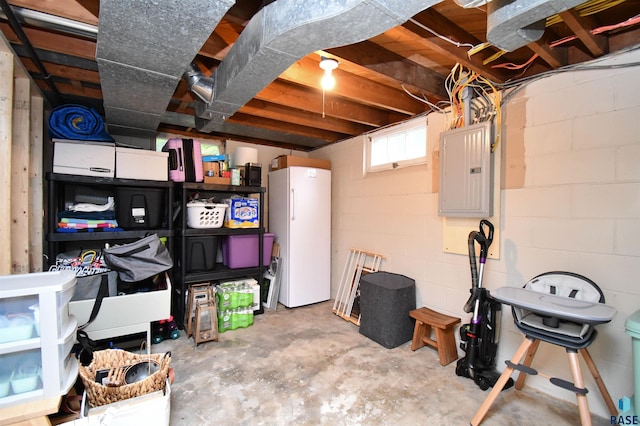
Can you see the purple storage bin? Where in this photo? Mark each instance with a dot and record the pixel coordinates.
(241, 251)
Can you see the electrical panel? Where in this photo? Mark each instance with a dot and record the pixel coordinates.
(466, 172)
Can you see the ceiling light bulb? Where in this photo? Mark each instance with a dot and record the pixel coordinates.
(328, 64)
(328, 82)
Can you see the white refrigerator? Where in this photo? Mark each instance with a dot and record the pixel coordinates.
(300, 218)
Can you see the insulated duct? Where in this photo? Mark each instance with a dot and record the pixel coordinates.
(142, 52)
(285, 31)
(512, 24)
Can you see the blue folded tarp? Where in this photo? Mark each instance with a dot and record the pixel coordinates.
(78, 123)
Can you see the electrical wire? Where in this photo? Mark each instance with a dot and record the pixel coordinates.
(440, 36)
(629, 22)
(517, 85)
(432, 106)
(585, 9)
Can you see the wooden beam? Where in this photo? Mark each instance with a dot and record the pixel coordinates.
(286, 114)
(380, 60)
(431, 19)
(20, 198)
(54, 42)
(581, 26)
(64, 71)
(556, 57)
(69, 9)
(68, 89)
(294, 96)
(307, 72)
(36, 126)
(266, 123)
(92, 6)
(215, 47)
(6, 126)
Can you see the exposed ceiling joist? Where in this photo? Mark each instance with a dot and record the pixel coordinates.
(290, 110)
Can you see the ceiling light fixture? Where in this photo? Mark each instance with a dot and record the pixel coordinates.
(327, 82)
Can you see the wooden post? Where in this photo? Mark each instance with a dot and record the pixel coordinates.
(6, 113)
(36, 154)
(20, 197)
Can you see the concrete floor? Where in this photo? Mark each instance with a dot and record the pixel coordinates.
(307, 366)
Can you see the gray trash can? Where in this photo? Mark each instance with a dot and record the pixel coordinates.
(385, 302)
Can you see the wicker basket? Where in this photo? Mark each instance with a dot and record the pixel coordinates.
(99, 394)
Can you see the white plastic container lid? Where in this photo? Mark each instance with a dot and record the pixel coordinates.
(22, 284)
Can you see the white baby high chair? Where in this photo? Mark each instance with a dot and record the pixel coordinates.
(561, 308)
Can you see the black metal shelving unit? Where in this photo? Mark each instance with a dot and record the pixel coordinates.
(57, 241)
(184, 279)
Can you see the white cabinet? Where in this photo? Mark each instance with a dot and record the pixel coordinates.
(36, 336)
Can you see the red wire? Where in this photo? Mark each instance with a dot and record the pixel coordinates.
(629, 22)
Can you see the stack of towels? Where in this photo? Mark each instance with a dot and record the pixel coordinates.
(89, 217)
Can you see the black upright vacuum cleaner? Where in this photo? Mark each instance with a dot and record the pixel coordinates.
(479, 339)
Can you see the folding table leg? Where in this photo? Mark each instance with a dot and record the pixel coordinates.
(504, 377)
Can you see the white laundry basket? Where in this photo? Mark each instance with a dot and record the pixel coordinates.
(204, 214)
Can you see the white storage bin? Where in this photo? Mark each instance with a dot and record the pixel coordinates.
(84, 158)
(142, 164)
(43, 299)
(203, 214)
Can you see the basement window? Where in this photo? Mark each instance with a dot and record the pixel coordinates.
(397, 146)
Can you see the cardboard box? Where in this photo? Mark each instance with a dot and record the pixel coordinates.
(84, 158)
(142, 164)
(292, 161)
(218, 180)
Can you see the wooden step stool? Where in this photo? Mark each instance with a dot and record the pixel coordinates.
(197, 293)
(445, 333)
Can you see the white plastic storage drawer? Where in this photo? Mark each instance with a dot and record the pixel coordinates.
(21, 297)
(37, 305)
(18, 320)
(20, 375)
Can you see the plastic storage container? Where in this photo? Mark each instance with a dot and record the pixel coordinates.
(202, 214)
(140, 208)
(632, 324)
(241, 251)
(40, 303)
(201, 253)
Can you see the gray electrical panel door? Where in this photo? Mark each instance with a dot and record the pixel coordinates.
(466, 172)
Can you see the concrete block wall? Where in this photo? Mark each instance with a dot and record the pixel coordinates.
(570, 200)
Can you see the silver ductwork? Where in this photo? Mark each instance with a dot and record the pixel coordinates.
(143, 49)
(200, 85)
(284, 32)
(512, 24)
